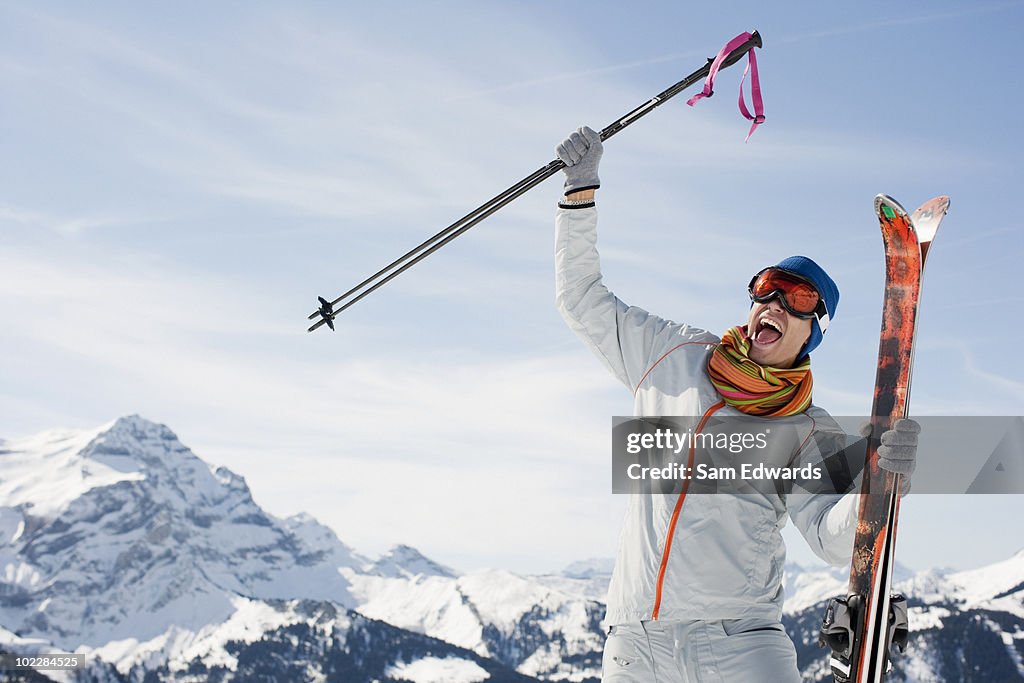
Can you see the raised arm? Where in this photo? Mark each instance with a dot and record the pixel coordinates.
(622, 336)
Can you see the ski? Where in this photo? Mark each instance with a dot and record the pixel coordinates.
(862, 628)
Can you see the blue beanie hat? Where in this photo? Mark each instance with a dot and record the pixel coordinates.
(811, 271)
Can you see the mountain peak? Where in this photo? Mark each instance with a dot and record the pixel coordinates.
(125, 433)
(403, 561)
(135, 423)
(148, 450)
(45, 472)
(590, 568)
(155, 535)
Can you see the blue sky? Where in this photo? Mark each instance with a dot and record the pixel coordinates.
(180, 182)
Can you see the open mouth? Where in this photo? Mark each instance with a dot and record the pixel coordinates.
(768, 331)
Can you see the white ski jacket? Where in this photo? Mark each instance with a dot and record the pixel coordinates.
(691, 556)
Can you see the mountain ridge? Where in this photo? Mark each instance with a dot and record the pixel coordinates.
(145, 556)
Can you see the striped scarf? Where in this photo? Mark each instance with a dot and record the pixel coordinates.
(752, 388)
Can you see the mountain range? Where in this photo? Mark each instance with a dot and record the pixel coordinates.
(120, 543)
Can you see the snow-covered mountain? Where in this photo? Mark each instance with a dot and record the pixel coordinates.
(403, 562)
(807, 586)
(117, 534)
(964, 626)
(121, 543)
(539, 630)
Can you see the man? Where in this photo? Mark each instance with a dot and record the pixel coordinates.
(696, 593)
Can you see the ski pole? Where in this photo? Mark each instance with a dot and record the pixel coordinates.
(327, 312)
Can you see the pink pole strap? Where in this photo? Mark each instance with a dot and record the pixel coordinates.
(755, 83)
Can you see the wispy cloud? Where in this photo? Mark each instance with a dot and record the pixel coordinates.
(927, 18)
(1008, 385)
(65, 225)
(298, 140)
(195, 126)
(372, 424)
(576, 76)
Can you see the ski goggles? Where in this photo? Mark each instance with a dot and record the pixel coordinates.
(797, 295)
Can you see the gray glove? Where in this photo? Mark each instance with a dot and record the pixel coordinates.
(581, 152)
(898, 450)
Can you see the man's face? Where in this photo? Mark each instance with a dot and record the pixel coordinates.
(767, 345)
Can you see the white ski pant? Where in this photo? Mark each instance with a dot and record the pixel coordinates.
(730, 651)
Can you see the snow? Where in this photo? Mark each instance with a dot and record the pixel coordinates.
(247, 624)
(501, 597)
(590, 568)
(183, 602)
(162, 559)
(430, 605)
(458, 610)
(998, 586)
(47, 471)
(16, 572)
(437, 670)
(593, 588)
(977, 586)
(143, 542)
(1011, 647)
(12, 525)
(319, 538)
(401, 561)
(178, 647)
(125, 650)
(921, 667)
(10, 638)
(14, 643)
(806, 587)
(546, 663)
(924, 618)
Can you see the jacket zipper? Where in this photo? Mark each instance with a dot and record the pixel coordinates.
(675, 513)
